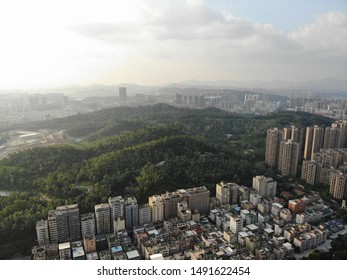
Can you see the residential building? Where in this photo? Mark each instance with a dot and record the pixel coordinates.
(288, 158)
(65, 251)
(77, 251)
(131, 212)
(227, 193)
(119, 224)
(308, 173)
(296, 135)
(266, 186)
(103, 218)
(236, 224)
(170, 202)
(42, 232)
(276, 208)
(223, 193)
(68, 223)
(314, 141)
(244, 193)
(183, 212)
(117, 205)
(156, 203)
(273, 138)
(338, 184)
(89, 243)
(252, 243)
(88, 224)
(52, 226)
(199, 199)
(145, 214)
(296, 206)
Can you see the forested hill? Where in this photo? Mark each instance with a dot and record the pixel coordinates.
(134, 151)
(113, 121)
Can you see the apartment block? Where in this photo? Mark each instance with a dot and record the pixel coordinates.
(314, 141)
(42, 232)
(145, 214)
(65, 251)
(170, 202)
(131, 209)
(52, 226)
(308, 172)
(266, 186)
(156, 203)
(273, 138)
(288, 158)
(227, 193)
(89, 243)
(338, 184)
(296, 206)
(236, 224)
(88, 224)
(199, 199)
(183, 212)
(103, 218)
(68, 223)
(117, 205)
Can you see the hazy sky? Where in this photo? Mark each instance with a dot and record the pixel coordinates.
(152, 42)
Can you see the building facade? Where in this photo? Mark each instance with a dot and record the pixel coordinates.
(103, 218)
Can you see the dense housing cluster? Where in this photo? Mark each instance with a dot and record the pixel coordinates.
(238, 223)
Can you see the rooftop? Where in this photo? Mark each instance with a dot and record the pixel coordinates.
(63, 246)
(156, 257)
(77, 252)
(133, 254)
(116, 249)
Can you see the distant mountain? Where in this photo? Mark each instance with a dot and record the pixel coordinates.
(78, 91)
(105, 90)
(328, 85)
(331, 86)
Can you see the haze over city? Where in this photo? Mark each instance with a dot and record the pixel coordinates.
(58, 43)
(210, 130)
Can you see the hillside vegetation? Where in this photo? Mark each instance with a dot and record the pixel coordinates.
(134, 151)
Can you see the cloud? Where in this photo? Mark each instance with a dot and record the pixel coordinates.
(180, 21)
(190, 32)
(326, 35)
(157, 41)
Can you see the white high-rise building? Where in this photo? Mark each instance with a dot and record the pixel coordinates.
(52, 226)
(156, 203)
(266, 186)
(223, 193)
(227, 193)
(42, 232)
(236, 224)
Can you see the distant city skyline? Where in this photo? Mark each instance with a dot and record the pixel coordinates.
(153, 42)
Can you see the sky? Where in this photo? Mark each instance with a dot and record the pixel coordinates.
(157, 42)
